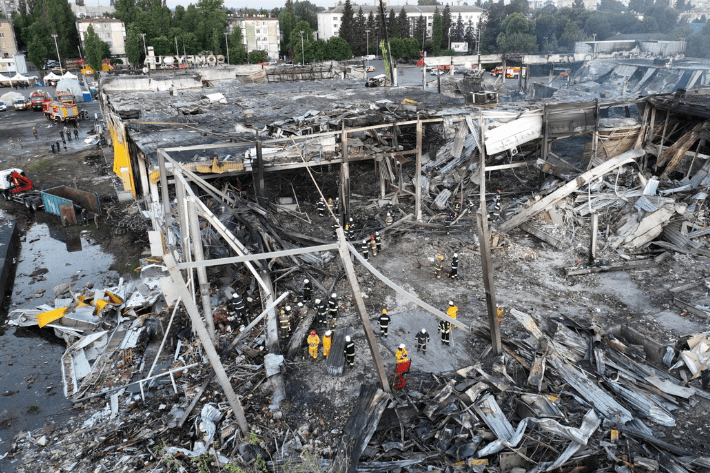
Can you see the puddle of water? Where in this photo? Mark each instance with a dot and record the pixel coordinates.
(30, 372)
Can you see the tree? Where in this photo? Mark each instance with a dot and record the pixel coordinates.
(683, 5)
(578, 4)
(307, 11)
(570, 35)
(460, 30)
(402, 24)
(446, 24)
(46, 17)
(337, 49)
(347, 25)
(212, 20)
(392, 30)
(437, 33)
(598, 24)
(470, 35)
(95, 50)
(37, 51)
(613, 6)
(237, 53)
(420, 30)
(287, 21)
(257, 56)
(659, 19)
(308, 50)
(517, 35)
(372, 26)
(134, 45)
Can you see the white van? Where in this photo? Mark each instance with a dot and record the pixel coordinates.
(369, 57)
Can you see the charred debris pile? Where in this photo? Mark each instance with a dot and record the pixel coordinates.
(563, 395)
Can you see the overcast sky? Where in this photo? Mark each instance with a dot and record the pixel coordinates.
(270, 4)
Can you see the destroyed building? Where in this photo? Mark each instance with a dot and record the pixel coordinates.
(581, 341)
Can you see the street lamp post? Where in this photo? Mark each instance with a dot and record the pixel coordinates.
(57, 47)
(594, 46)
(227, 43)
(303, 54)
(367, 42)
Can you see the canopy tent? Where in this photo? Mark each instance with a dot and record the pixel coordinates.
(70, 86)
(69, 75)
(9, 98)
(4, 79)
(52, 77)
(20, 78)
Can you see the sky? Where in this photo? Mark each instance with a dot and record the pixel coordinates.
(266, 4)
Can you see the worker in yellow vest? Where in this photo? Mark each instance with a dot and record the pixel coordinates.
(327, 341)
(401, 356)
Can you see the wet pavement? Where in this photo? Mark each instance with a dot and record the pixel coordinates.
(30, 374)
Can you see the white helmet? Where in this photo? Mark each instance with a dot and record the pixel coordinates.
(288, 307)
(305, 281)
(328, 333)
(364, 241)
(347, 338)
(401, 346)
(235, 295)
(377, 233)
(456, 255)
(423, 330)
(450, 303)
(300, 304)
(333, 295)
(317, 301)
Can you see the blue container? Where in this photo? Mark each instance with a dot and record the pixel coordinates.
(87, 96)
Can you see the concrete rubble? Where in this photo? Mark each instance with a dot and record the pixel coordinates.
(550, 197)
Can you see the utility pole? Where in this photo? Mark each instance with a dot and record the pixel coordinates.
(387, 42)
(226, 41)
(56, 46)
(303, 53)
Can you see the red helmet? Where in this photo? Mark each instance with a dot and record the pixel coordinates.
(372, 237)
(313, 332)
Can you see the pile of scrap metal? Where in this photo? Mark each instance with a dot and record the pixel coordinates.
(562, 395)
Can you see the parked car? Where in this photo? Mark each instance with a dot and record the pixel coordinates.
(288, 61)
(370, 69)
(369, 57)
(437, 72)
(3, 107)
(457, 69)
(273, 63)
(21, 103)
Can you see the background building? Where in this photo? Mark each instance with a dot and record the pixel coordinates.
(8, 6)
(8, 44)
(259, 33)
(329, 21)
(86, 11)
(110, 30)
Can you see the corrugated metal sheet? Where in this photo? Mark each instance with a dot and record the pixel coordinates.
(644, 204)
(644, 405)
(651, 187)
(489, 410)
(624, 70)
(513, 134)
(603, 402)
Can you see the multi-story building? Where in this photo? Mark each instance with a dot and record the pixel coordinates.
(330, 20)
(8, 44)
(9, 6)
(259, 33)
(94, 11)
(109, 30)
(590, 5)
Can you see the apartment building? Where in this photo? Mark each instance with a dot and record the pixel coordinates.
(8, 44)
(109, 30)
(259, 33)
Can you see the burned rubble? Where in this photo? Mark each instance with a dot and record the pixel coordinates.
(563, 206)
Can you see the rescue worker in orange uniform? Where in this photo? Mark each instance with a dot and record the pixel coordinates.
(401, 356)
(327, 341)
(313, 342)
(452, 310)
(373, 245)
(439, 266)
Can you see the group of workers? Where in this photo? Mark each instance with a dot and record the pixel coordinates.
(439, 267)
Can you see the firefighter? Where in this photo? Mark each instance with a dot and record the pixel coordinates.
(335, 227)
(330, 203)
(422, 339)
(327, 341)
(347, 232)
(495, 215)
(447, 223)
(321, 311)
(350, 232)
(284, 325)
(445, 331)
(499, 312)
(349, 352)
(76, 132)
(313, 342)
(61, 134)
(65, 145)
(365, 247)
(289, 313)
(351, 222)
(301, 311)
(373, 245)
(457, 207)
(321, 207)
(237, 308)
(67, 132)
(401, 355)
(389, 220)
(51, 143)
(454, 274)
(439, 266)
(58, 150)
(34, 132)
(384, 322)
(378, 241)
(333, 305)
(307, 290)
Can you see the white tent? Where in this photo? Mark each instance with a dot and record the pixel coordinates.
(71, 86)
(20, 78)
(52, 77)
(4, 79)
(69, 75)
(10, 97)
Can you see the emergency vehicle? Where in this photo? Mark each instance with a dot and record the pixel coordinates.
(60, 111)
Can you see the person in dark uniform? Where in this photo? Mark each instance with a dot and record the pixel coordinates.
(384, 322)
(422, 338)
(454, 274)
(349, 352)
(307, 290)
(445, 331)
